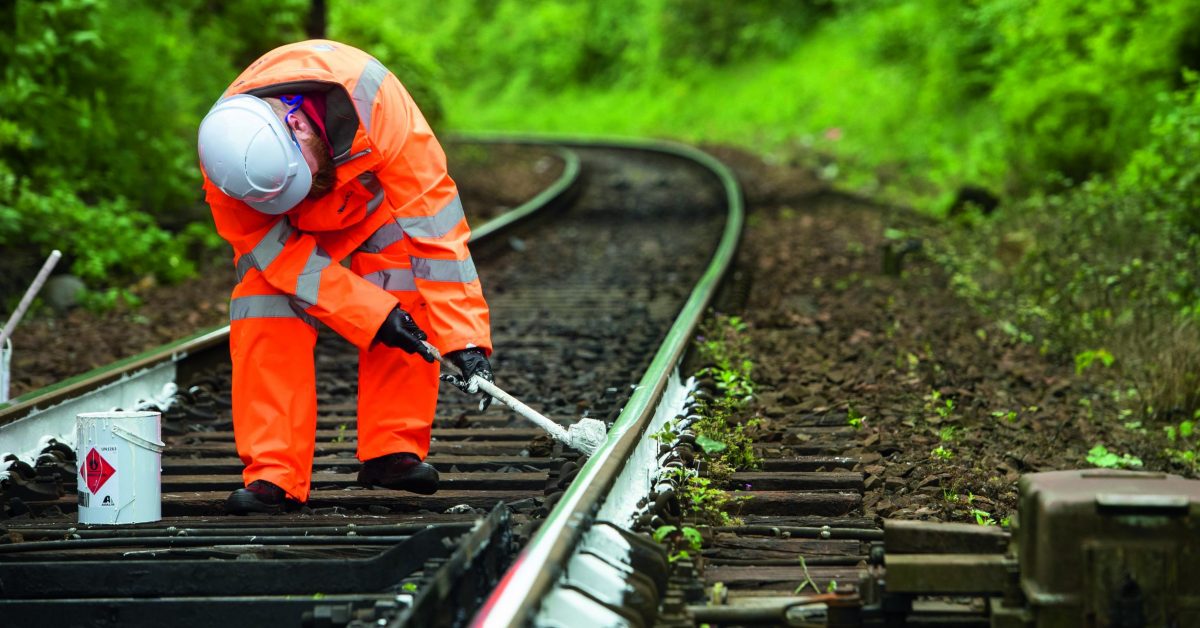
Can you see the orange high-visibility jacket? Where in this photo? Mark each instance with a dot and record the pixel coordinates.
(392, 186)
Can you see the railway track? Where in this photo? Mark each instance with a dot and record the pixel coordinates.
(595, 288)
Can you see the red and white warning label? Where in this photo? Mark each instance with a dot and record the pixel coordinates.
(96, 471)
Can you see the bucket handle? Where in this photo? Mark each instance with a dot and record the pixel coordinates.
(138, 440)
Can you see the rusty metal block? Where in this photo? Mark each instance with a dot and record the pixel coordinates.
(947, 574)
(1109, 548)
(924, 537)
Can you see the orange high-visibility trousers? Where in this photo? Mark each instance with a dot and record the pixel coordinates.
(274, 383)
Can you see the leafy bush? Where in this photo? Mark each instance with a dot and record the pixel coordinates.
(1165, 169)
(359, 25)
(1101, 272)
(1073, 77)
(97, 132)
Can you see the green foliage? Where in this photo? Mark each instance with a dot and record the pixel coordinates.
(97, 132)
(1005, 93)
(1102, 273)
(855, 419)
(943, 409)
(1076, 78)
(101, 104)
(1101, 457)
(1184, 448)
(1085, 359)
(721, 429)
(983, 517)
(1165, 168)
(687, 535)
(701, 501)
(360, 25)
(1007, 415)
(711, 445)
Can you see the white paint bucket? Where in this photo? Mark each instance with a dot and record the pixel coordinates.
(120, 467)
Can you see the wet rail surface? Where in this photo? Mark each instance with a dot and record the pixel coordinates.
(580, 299)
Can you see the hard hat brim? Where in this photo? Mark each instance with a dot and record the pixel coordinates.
(294, 192)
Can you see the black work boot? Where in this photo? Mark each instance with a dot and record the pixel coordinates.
(261, 496)
(402, 471)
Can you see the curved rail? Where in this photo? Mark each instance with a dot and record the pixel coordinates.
(518, 597)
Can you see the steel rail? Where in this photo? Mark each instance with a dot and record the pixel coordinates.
(540, 564)
(36, 400)
(197, 541)
(33, 402)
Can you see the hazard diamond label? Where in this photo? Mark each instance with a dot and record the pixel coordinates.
(97, 470)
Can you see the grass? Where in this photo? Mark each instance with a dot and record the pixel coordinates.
(827, 96)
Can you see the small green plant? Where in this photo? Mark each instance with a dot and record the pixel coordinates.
(689, 535)
(1184, 449)
(1101, 457)
(721, 430)
(935, 404)
(1184, 430)
(983, 517)
(718, 593)
(854, 419)
(941, 453)
(678, 541)
(808, 581)
(341, 433)
(1007, 415)
(948, 433)
(703, 501)
(666, 434)
(734, 383)
(409, 587)
(1085, 359)
(722, 424)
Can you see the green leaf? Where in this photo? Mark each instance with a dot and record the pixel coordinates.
(693, 537)
(709, 445)
(661, 532)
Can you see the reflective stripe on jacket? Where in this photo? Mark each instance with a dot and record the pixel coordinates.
(392, 186)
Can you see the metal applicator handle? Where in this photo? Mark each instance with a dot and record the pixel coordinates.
(555, 430)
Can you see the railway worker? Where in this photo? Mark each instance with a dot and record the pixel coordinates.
(329, 184)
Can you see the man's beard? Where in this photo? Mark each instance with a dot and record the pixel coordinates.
(325, 177)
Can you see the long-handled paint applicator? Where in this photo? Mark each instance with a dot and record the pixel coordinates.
(584, 436)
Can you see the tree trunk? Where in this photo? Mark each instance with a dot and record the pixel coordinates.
(317, 21)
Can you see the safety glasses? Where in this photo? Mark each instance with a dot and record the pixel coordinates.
(294, 102)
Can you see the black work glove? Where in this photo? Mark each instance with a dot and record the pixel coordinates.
(471, 362)
(400, 331)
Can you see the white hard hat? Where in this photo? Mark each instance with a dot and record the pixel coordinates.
(248, 152)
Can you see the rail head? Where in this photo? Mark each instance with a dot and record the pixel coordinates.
(540, 564)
